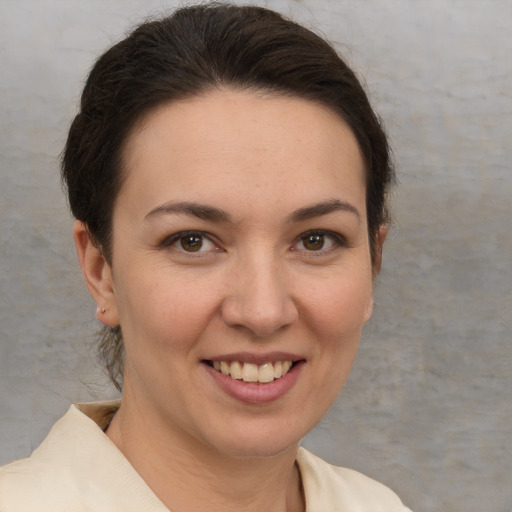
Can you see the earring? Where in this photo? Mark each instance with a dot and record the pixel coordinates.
(100, 310)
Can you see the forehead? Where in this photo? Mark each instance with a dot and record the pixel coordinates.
(230, 141)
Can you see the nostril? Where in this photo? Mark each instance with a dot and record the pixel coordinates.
(258, 313)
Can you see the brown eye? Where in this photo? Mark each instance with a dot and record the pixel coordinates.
(191, 243)
(313, 242)
(319, 241)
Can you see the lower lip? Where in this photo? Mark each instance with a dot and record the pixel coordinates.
(254, 392)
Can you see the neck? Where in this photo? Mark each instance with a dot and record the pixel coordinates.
(187, 474)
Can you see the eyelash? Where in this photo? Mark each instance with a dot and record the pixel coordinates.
(183, 235)
(337, 240)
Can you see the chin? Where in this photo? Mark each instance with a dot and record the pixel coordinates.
(257, 440)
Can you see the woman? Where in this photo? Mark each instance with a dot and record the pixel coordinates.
(228, 177)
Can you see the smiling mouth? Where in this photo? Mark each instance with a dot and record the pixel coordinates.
(249, 372)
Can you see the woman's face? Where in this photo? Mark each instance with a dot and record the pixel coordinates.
(240, 247)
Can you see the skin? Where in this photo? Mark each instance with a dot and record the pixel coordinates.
(277, 168)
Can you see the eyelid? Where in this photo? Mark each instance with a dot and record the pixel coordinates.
(170, 240)
(337, 238)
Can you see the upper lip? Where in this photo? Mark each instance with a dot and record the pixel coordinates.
(251, 357)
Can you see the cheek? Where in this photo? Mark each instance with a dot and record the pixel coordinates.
(339, 317)
(339, 305)
(168, 313)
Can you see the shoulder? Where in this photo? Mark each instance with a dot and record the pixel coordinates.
(76, 468)
(329, 488)
(44, 477)
(25, 484)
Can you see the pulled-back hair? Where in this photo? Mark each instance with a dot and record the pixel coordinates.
(193, 51)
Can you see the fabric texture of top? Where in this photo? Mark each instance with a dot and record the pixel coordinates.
(78, 469)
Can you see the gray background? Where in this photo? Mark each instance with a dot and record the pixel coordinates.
(428, 407)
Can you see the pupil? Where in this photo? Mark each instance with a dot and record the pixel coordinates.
(191, 243)
(314, 242)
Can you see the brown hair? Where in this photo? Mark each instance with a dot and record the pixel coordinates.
(194, 50)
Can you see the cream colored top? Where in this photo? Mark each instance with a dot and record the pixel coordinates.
(78, 469)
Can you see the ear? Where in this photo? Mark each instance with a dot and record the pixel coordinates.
(97, 274)
(380, 238)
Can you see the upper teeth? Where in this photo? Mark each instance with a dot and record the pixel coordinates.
(249, 372)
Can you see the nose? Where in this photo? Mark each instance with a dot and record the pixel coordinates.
(259, 298)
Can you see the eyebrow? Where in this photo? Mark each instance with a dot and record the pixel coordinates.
(206, 212)
(201, 211)
(323, 208)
